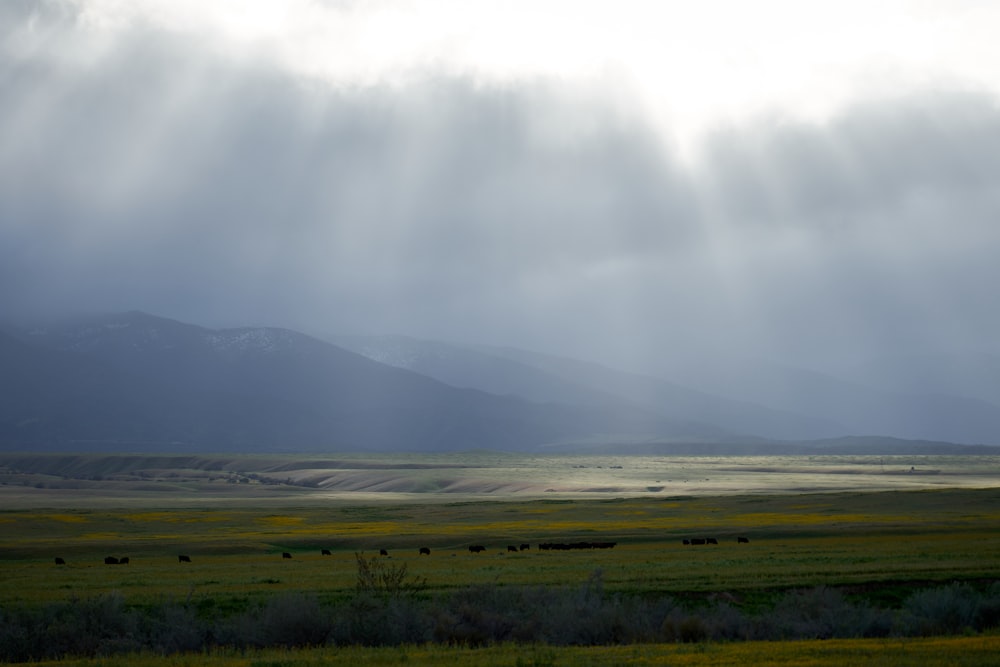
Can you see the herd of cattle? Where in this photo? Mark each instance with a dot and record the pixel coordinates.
(475, 549)
(695, 541)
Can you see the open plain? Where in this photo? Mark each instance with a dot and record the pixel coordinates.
(873, 528)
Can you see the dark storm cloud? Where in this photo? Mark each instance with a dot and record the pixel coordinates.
(152, 173)
(875, 229)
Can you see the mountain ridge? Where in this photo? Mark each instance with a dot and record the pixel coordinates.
(142, 381)
(235, 388)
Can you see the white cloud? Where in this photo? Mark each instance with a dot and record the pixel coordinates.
(176, 174)
(691, 65)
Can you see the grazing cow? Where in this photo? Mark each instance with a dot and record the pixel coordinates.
(110, 560)
(285, 554)
(324, 552)
(697, 540)
(383, 552)
(511, 547)
(60, 561)
(742, 540)
(477, 548)
(183, 559)
(525, 547)
(123, 560)
(424, 551)
(711, 540)
(687, 542)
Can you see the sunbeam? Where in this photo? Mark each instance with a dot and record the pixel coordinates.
(811, 184)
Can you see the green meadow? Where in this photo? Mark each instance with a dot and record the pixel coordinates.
(874, 547)
(794, 540)
(920, 652)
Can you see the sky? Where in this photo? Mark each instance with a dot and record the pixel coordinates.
(807, 182)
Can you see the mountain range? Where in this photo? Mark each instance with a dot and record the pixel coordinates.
(137, 382)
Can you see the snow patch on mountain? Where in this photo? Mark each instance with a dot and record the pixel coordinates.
(259, 339)
(396, 352)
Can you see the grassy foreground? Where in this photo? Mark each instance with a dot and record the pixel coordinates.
(923, 652)
(864, 559)
(845, 539)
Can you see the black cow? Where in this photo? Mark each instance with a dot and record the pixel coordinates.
(687, 542)
(742, 540)
(285, 554)
(525, 547)
(110, 560)
(324, 552)
(383, 552)
(511, 547)
(60, 561)
(183, 559)
(477, 548)
(123, 560)
(711, 540)
(697, 540)
(424, 551)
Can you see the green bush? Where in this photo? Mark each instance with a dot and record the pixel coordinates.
(381, 613)
(947, 610)
(379, 576)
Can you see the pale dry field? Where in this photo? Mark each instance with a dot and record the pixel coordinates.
(474, 476)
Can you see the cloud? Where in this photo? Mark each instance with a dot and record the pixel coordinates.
(148, 170)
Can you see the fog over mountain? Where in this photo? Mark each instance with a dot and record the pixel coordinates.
(809, 200)
(133, 381)
(136, 382)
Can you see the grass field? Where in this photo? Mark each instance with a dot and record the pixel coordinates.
(795, 540)
(980, 651)
(879, 546)
(30, 481)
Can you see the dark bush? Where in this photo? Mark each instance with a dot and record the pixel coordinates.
(937, 611)
(175, 629)
(823, 613)
(380, 614)
(379, 576)
(94, 627)
(286, 620)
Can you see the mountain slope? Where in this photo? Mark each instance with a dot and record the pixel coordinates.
(738, 396)
(142, 380)
(549, 379)
(922, 410)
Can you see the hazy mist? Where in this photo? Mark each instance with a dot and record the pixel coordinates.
(147, 167)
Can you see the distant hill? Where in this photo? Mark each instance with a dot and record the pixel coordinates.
(907, 398)
(764, 408)
(138, 382)
(549, 379)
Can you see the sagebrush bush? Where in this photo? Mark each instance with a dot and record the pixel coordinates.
(174, 628)
(824, 613)
(381, 614)
(947, 610)
(379, 576)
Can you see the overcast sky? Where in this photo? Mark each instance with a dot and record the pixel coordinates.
(810, 181)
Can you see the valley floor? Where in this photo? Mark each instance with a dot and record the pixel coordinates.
(69, 480)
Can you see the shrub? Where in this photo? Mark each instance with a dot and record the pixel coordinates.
(95, 626)
(286, 620)
(379, 576)
(936, 611)
(822, 613)
(176, 629)
(988, 612)
(379, 614)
